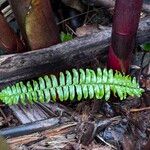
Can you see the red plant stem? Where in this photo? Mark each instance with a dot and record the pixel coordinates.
(9, 41)
(125, 24)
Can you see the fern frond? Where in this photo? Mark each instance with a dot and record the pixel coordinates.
(80, 84)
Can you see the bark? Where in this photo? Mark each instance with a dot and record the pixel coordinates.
(61, 134)
(39, 111)
(30, 128)
(146, 8)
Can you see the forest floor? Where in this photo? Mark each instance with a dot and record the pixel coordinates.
(92, 124)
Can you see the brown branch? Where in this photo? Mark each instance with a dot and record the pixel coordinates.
(140, 109)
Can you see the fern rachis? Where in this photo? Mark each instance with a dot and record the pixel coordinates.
(78, 83)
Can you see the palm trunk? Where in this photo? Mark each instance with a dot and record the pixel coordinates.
(125, 24)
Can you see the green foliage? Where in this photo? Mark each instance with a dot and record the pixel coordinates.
(80, 84)
(65, 37)
(146, 47)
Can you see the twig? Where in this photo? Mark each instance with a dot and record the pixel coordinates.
(75, 16)
(4, 116)
(91, 18)
(106, 142)
(86, 17)
(140, 109)
(70, 29)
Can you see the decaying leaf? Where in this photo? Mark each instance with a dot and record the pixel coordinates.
(86, 30)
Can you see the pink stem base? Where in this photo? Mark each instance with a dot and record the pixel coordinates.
(117, 64)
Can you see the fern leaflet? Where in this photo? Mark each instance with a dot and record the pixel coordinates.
(80, 84)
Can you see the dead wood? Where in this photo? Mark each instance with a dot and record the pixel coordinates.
(146, 8)
(32, 127)
(54, 137)
(29, 113)
(79, 52)
(60, 136)
(41, 111)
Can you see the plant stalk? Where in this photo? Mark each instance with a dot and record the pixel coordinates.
(9, 41)
(37, 23)
(125, 24)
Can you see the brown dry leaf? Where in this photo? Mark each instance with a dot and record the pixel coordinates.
(86, 30)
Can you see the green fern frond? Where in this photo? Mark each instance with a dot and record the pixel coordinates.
(80, 84)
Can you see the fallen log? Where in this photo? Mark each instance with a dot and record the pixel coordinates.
(146, 8)
(57, 137)
(31, 127)
(79, 52)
